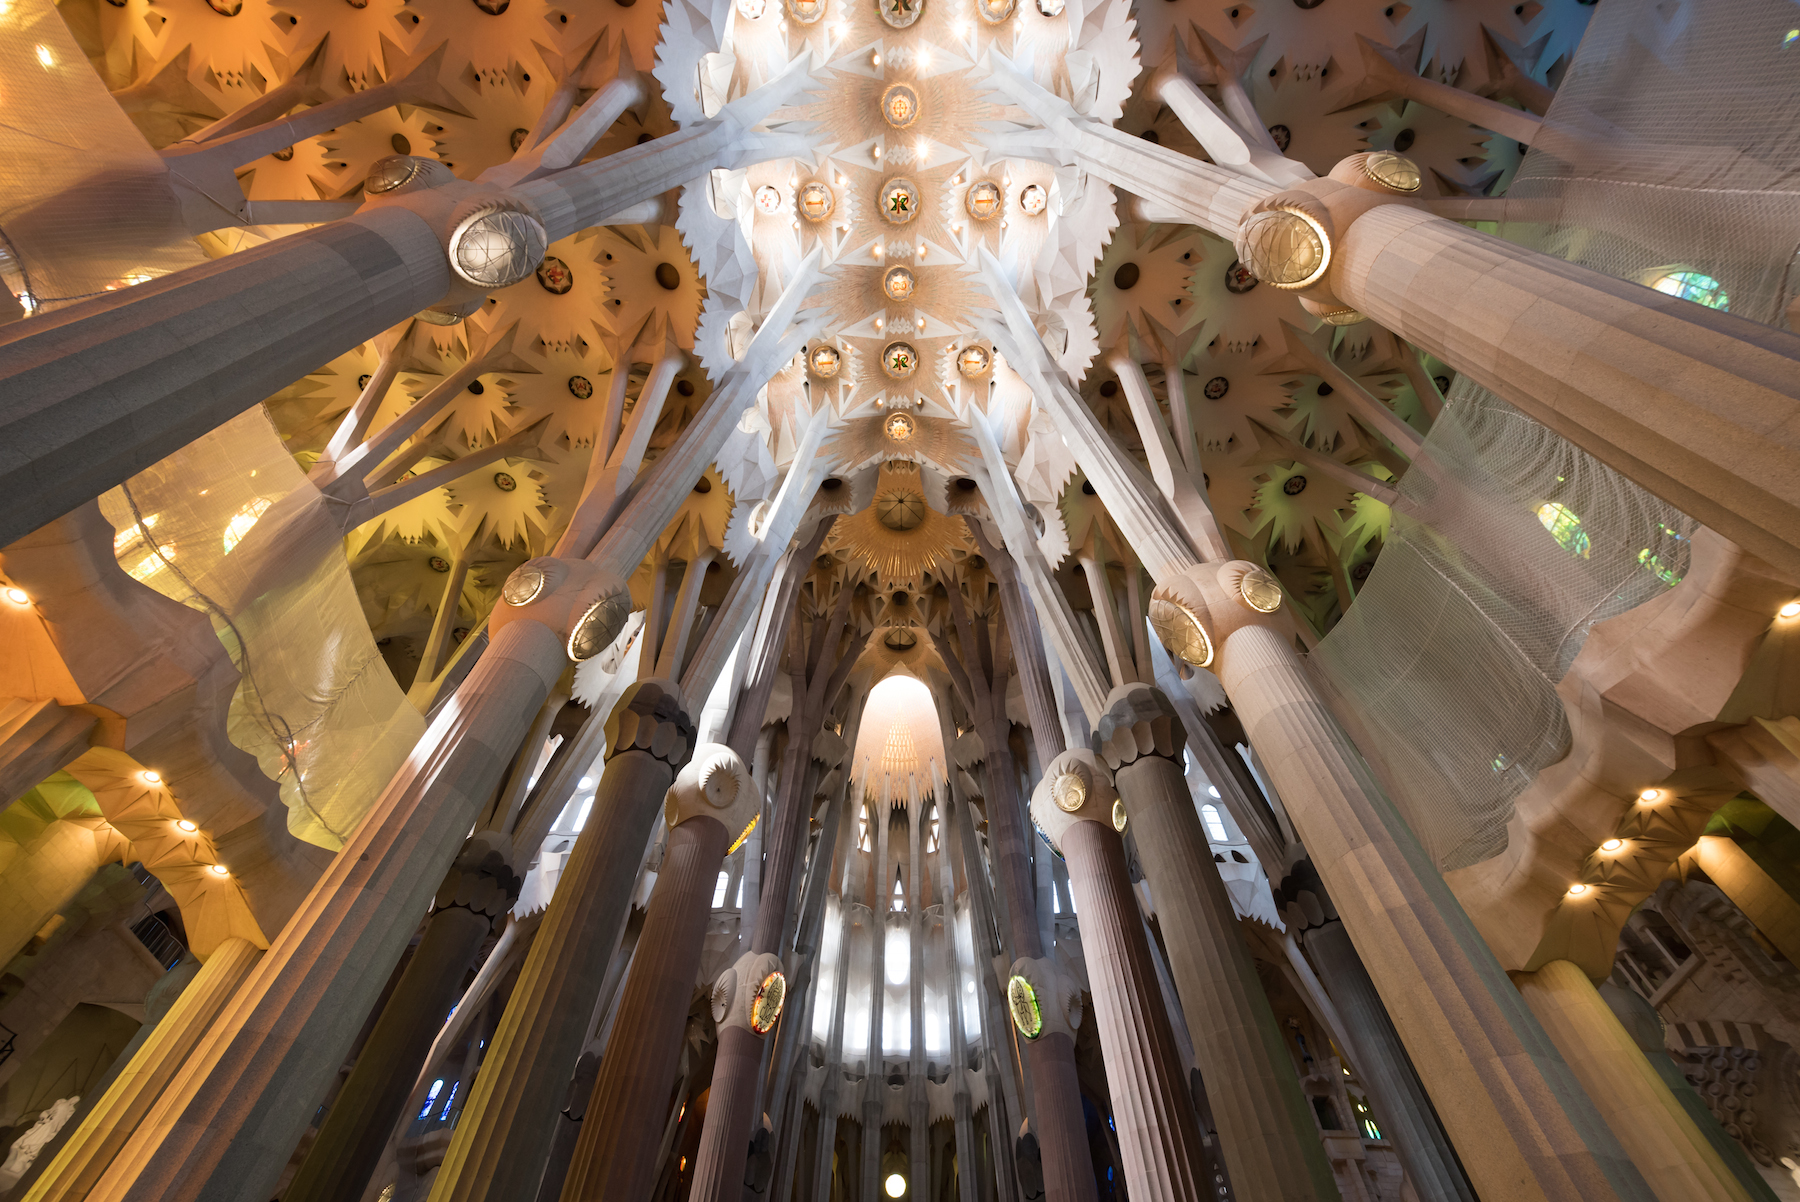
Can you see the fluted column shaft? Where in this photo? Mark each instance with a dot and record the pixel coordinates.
(1659, 1135)
(75, 1169)
(362, 1117)
(224, 1129)
(616, 1154)
(503, 1138)
(1517, 1115)
(1263, 1120)
(1400, 1099)
(1158, 1138)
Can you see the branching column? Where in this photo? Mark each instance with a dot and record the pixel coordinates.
(1263, 1119)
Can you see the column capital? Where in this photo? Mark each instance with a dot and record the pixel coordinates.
(584, 604)
(1076, 788)
(713, 784)
(650, 717)
(1139, 721)
(481, 881)
(1041, 999)
(1302, 900)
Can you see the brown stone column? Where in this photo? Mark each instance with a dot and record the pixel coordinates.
(86, 1155)
(476, 894)
(508, 1123)
(1662, 1140)
(1159, 1140)
(1264, 1123)
(1518, 1117)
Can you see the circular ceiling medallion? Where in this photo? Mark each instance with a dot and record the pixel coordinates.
(1282, 136)
(899, 200)
(752, 10)
(1051, 8)
(899, 360)
(1284, 248)
(1260, 591)
(497, 247)
(768, 199)
(1392, 170)
(1033, 199)
(816, 201)
(1239, 279)
(1216, 388)
(974, 361)
(983, 200)
(524, 585)
(806, 11)
(824, 361)
(900, 13)
(505, 482)
(900, 510)
(555, 276)
(995, 11)
(439, 563)
(580, 387)
(1022, 1002)
(900, 106)
(898, 283)
(1294, 485)
(395, 171)
(899, 427)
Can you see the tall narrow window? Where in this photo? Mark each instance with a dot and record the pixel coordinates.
(899, 892)
(719, 890)
(740, 894)
(1215, 827)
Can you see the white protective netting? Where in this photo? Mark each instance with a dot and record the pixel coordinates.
(230, 526)
(1671, 157)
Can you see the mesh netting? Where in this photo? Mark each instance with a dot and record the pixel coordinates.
(230, 526)
(1673, 154)
(1507, 546)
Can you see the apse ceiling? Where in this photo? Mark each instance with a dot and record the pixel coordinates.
(912, 217)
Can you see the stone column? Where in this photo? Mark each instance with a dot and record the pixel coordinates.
(477, 892)
(504, 1137)
(1372, 1043)
(86, 1155)
(712, 800)
(1662, 1140)
(1263, 1120)
(1519, 1119)
(874, 1078)
(1076, 807)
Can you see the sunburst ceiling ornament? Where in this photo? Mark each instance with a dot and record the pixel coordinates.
(900, 13)
(899, 552)
(900, 509)
(900, 105)
(899, 427)
(816, 201)
(974, 361)
(824, 361)
(898, 283)
(899, 360)
(983, 200)
(806, 12)
(995, 12)
(899, 200)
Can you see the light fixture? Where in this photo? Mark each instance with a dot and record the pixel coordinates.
(1021, 1000)
(899, 360)
(875, 59)
(898, 283)
(766, 1003)
(899, 200)
(1577, 889)
(185, 826)
(525, 584)
(44, 56)
(152, 778)
(895, 1186)
(218, 870)
(900, 105)
(1790, 610)
(1284, 248)
(17, 595)
(1612, 845)
(1650, 796)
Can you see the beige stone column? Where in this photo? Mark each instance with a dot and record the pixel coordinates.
(504, 1135)
(1763, 901)
(123, 1106)
(1515, 1112)
(1658, 1133)
(1159, 1140)
(1264, 1122)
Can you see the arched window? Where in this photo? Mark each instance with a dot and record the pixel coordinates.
(431, 1097)
(1694, 286)
(1215, 826)
(899, 893)
(723, 884)
(1564, 526)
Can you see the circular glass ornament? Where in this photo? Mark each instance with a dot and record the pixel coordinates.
(899, 200)
(983, 200)
(1022, 1004)
(898, 427)
(524, 585)
(1033, 199)
(1284, 248)
(1260, 591)
(580, 387)
(900, 105)
(974, 361)
(995, 12)
(899, 360)
(1239, 279)
(1294, 485)
(768, 200)
(1180, 632)
(816, 201)
(766, 1003)
(1051, 8)
(505, 482)
(752, 10)
(554, 276)
(807, 12)
(1282, 136)
(1216, 388)
(1069, 791)
(1118, 816)
(898, 283)
(395, 171)
(1393, 171)
(599, 626)
(497, 247)
(900, 14)
(824, 361)
(439, 563)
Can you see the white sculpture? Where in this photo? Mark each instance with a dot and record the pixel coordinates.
(26, 1148)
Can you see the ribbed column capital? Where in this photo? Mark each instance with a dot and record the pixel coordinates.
(1139, 721)
(650, 717)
